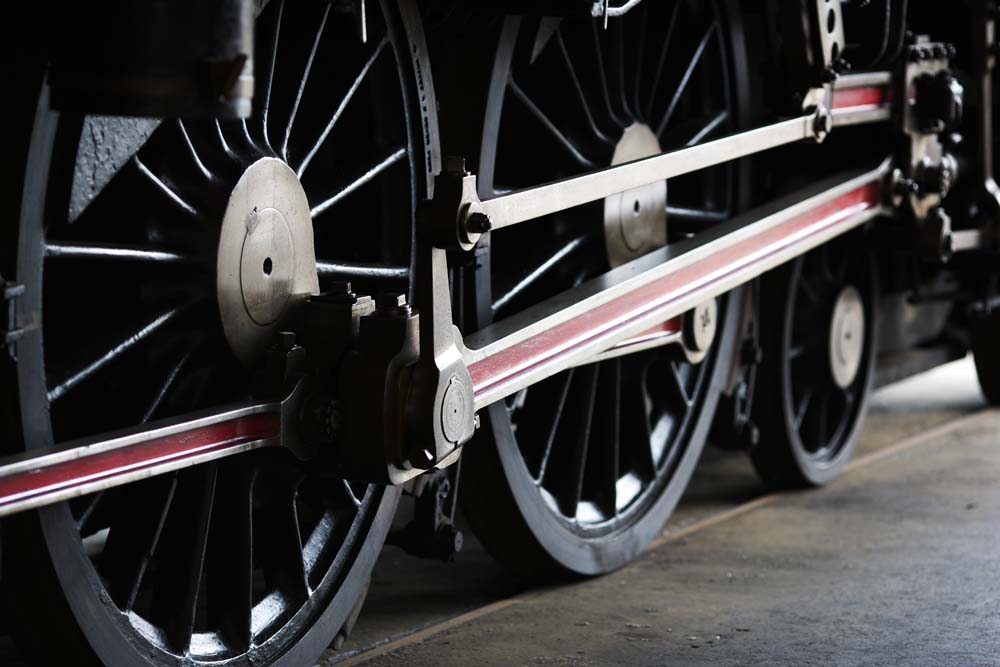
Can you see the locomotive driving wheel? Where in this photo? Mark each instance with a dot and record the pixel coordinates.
(818, 322)
(159, 259)
(584, 468)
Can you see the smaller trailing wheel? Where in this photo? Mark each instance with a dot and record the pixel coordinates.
(985, 336)
(817, 324)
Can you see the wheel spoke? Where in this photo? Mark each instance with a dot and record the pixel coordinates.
(584, 104)
(340, 108)
(230, 558)
(305, 79)
(550, 127)
(682, 86)
(346, 493)
(538, 272)
(269, 79)
(93, 367)
(84, 518)
(395, 157)
(640, 61)
(602, 76)
(604, 451)
(193, 153)
(223, 143)
(180, 556)
(717, 121)
(108, 253)
(136, 525)
(620, 58)
(167, 385)
(636, 438)
(681, 386)
(170, 193)
(810, 292)
(696, 214)
(280, 551)
(661, 63)
(552, 425)
(803, 407)
(574, 438)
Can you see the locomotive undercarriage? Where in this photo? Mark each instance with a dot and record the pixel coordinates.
(384, 388)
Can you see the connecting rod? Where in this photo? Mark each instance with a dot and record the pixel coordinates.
(454, 377)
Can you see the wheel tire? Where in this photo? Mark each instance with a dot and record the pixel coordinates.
(986, 352)
(521, 518)
(788, 453)
(61, 602)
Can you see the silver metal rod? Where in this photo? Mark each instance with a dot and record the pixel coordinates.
(37, 478)
(594, 317)
(532, 203)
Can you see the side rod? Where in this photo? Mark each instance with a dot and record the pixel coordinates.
(855, 99)
(36, 478)
(575, 325)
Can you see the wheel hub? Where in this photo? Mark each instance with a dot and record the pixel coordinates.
(266, 259)
(847, 336)
(635, 221)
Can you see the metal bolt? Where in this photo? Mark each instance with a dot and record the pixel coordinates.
(822, 124)
(479, 223)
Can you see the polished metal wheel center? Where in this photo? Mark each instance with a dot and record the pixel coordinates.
(635, 221)
(847, 336)
(266, 257)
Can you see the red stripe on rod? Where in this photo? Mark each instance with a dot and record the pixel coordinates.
(862, 96)
(561, 340)
(214, 438)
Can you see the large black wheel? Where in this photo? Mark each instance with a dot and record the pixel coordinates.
(251, 560)
(986, 352)
(817, 323)
(579, 472)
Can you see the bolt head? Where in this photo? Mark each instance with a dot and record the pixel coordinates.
(479, 223)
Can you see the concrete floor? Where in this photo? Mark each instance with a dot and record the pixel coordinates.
(896, 563)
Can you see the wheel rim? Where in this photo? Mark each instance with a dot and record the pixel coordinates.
(243, 559)
(641, 419)
(826, 378)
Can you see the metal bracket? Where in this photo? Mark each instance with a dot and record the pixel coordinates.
(12, 330)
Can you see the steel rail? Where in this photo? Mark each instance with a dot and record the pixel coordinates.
(596, 316)
(41, 477)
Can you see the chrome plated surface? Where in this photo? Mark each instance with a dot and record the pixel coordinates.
(635, 221)
(531, 203)
(739, 237)
(266, 257)
(36, 463)
(847, 336)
